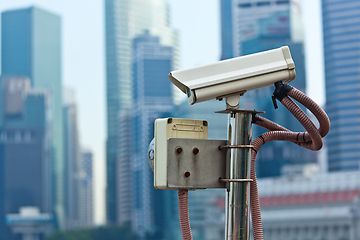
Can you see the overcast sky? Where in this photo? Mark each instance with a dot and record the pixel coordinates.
(198, 22)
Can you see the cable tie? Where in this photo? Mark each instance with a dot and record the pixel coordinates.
(297, 138)
(273, 97)
(255, 118)
(304, 137)
(281, 90)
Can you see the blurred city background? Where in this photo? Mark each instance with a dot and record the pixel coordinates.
(83, 81)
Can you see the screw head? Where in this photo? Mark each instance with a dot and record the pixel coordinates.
(187, 174)
(195, 150)
(178, 150)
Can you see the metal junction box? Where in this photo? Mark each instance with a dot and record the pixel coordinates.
(185, 158)
(166, 128)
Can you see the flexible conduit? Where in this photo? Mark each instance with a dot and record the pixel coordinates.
(311, 139)
(184, 214)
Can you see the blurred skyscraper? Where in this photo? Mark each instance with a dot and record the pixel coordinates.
(31, 47)
(25, 150)
(72, 161)
(153, 98)
(78, 169)
(247, 13)
(227, 50)
(341, 31)
(124, 20)
(86, 189)
(258, 26)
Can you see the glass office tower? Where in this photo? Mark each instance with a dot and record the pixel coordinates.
(341, 31)
(31, 47)
(247, 13)
(124, 20)
(25, 152)
(227, 50)
(153, 98)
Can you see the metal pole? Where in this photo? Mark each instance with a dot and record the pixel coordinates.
(238, 193)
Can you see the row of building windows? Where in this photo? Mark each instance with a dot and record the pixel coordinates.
(344, 148)
(342, 102)
(341, 31)
(18, 136)
(341, 20)
(337, 15)
(342, 73)
(350, 21)
(344, 42)
(333, 59)
(262, 3)
(317, 232)
(336, 89)
(343, 47)
(352, 96)
(340, 15)
(340, 6)
(350, 141)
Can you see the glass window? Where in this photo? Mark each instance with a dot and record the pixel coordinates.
(245, 5)
(11, 135)
(259, 4)
(282, 2)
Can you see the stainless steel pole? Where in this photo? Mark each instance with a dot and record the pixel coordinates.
(238, 193)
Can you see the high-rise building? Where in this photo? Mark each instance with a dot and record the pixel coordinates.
(72, 161)
(247, 13)
(124, 20)
(260, 26)
(78, 170)
(31, 47)
(341, 28)
(25, 152)
(227, 50)
(153, 99)
(86, 189)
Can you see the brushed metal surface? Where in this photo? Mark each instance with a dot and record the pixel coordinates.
(198, 165)
(238, 194)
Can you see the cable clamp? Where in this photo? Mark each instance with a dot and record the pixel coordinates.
(281, 90)
(235, 180)
(235, 146)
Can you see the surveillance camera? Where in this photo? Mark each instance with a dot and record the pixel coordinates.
(235, 75)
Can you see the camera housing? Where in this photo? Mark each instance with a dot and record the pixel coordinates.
(236, 75)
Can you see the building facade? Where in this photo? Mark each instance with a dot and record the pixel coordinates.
(31, 47)
(72, 161)
(318, 207)
(227, 50)
(247, 13)
(323, 206)
(124, 20)
(86, 189)
(25, 151)
(153, 98)
(342, 80)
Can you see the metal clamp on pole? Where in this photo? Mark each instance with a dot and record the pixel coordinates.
(235, 146)
(235, 180)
